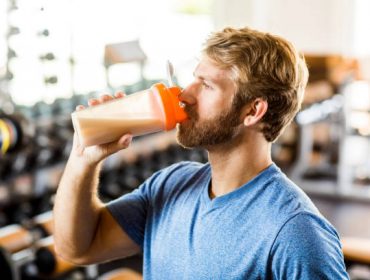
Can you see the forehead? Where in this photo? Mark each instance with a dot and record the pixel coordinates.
(209, 70)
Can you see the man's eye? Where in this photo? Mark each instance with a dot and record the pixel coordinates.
(206, 86)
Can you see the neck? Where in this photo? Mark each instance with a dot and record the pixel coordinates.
(237, 162)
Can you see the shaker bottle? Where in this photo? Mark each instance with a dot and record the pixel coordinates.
(155, 109)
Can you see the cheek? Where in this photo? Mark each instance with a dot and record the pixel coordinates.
(211, 107)
(207, 109)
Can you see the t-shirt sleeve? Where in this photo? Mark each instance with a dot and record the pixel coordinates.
(307, 247)
(131, 210)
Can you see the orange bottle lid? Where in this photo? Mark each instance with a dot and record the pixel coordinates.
(174, 113)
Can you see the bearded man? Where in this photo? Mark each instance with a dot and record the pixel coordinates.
(237, 216)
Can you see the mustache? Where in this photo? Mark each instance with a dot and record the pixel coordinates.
(191, 111)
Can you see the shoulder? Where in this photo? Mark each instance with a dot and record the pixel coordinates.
(183, 167)
(307, 246)
(305, 227)
(179, 171)
(285, 198)
(175, 178)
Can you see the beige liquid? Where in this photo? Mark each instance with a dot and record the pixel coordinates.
(93, 131)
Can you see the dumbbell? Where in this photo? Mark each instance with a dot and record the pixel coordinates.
(24, 161)
(43, 224)
(111, 189)
(112, 183)
(46, 264)
(3, 216)
(50, 146)
(45, 157)
(143, 167)
(130, 178)
(121, 274)
(42, 109)
(6, 167)
(62, 106)
(159, 160)
(14, 238)
(10, 134)
(14, 243)
(21, 209)
(5, 200)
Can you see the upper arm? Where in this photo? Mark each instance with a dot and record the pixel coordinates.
(307, 247)
(110, 241)
(123, 222)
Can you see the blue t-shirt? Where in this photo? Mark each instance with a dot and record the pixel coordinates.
(266, 229)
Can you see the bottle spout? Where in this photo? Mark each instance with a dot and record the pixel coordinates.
(170, 73)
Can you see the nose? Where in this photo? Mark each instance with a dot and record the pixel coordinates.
(187, 95)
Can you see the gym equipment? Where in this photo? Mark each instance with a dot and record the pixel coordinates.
(14, 241)
(10, 134)
(48, 265)
(121, 274)
(341, 164)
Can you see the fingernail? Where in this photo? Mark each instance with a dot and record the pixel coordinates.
(126, 141)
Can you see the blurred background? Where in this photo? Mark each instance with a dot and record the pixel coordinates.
(55, 55)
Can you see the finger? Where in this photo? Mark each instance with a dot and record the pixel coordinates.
(105, 98)
(80, 107)
(93, 102)
(125, 140)
(119, 94)
(114, 147)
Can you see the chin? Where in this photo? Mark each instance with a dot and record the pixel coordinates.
(183, 139)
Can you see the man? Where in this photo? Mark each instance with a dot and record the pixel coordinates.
(236, 217)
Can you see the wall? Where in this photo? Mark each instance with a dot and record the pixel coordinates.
(315, 26)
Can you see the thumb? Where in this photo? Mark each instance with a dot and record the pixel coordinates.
(121, 144)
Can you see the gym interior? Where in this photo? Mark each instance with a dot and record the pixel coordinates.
(56, 55)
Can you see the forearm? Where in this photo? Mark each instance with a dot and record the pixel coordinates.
(76, 209)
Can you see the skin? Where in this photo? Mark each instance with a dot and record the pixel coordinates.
(86, 233)
(211, 93)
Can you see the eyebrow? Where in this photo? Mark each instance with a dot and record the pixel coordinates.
(206, 78)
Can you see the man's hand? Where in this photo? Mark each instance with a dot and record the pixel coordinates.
(84, 230)
(95, 154)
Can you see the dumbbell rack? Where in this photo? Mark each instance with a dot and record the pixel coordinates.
(28, 253)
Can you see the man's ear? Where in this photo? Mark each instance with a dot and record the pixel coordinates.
(256, 110)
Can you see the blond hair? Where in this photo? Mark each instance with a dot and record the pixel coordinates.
(263, 66)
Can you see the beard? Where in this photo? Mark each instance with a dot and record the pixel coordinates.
(205, 133)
